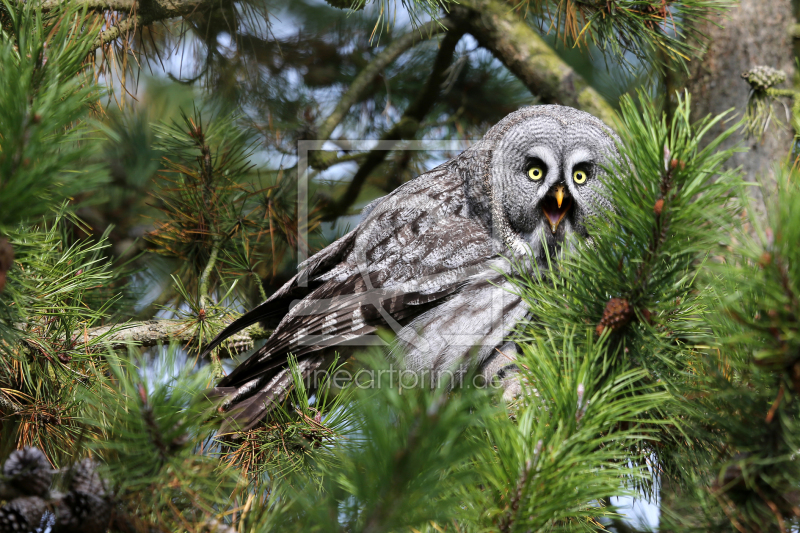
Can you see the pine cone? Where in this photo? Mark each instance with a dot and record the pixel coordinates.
(762, 77)
(82, 512)
(86, 479)
(6, 260)
(22, 515)
(29, 472)
(617, 313)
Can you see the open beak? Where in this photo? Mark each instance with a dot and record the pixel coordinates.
(556, 205)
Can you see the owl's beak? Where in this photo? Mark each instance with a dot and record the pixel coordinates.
(556, 205)
(559, 195)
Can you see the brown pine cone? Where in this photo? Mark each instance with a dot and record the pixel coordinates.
(658, 207)
(86, 479)
(617, 313)
(22, 515)
(82, 512)
(28, 472)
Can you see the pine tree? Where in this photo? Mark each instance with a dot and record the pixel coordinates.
(664, 352)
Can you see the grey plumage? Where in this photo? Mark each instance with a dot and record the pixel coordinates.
(429, 258)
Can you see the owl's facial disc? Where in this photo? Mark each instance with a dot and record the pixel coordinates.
(556, 204)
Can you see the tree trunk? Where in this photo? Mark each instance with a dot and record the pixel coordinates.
(753, 32)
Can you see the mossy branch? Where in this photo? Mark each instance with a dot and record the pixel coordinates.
(114, 32)
(150, 333)
(511, 40)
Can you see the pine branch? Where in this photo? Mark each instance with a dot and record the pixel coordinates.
(511, 40)
(154, 8)
(150, 333)
(140, 13)
(763, 93)
(361, 84)
(406, 127)
(162, 479)
(115, 32)
(325, 160)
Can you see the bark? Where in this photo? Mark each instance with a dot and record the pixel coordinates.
(154, 332)
(511, 40)
(754, 32)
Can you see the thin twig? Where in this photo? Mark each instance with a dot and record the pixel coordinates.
(204, 277)
(364, 79)
(406, 127)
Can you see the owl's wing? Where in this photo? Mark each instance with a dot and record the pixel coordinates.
(416, 247)
(277, 306)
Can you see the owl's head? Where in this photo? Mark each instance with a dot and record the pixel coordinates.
(542, 168)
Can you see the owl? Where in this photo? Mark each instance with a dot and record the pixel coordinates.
(432, 261)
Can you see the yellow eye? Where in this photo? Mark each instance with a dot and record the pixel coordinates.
(535, 173)
(579, 176)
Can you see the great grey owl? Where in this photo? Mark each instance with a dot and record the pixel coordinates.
(429, 259)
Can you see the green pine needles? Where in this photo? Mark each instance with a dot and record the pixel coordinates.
(662, 356)
(578, 440)
(47, 96)
(60, 283)
(655, 31)
(746, 395)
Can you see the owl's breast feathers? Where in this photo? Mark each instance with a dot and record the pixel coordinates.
(414, 248)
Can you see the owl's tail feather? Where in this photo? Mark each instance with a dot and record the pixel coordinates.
(247, 406)
(269, 313)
